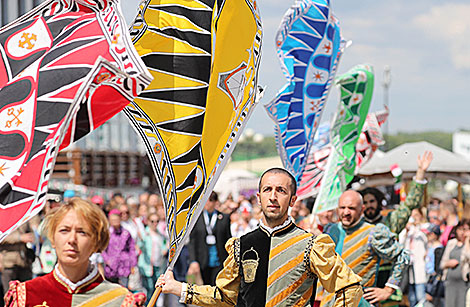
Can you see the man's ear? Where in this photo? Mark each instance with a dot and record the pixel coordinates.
(293, 200)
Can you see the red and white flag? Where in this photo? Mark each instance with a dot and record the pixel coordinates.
(66, 67)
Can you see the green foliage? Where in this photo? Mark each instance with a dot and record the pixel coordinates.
(248, 149)
(441, 139)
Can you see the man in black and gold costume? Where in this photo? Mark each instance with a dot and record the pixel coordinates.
(276, 264)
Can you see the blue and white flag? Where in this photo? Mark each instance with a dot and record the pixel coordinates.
(309, 46)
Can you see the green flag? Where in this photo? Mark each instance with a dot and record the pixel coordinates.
(356, 88)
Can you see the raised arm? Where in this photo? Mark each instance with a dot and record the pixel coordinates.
(397, 219)
(423, 165)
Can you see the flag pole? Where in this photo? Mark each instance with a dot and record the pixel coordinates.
(155, 295)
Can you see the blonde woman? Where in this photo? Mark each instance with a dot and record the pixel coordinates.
(76, 230)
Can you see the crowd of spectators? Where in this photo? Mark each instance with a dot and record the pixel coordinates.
(439, 244)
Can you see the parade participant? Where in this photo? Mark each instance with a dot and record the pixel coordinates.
(76, 230)
(362, 246)
(277, 263)
(396, 220)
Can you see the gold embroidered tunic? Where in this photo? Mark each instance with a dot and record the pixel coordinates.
(51, 291)
(278, 269)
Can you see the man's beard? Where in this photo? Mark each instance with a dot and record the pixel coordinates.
(371, 215)
(276, 217)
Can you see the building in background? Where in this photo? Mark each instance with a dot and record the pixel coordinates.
(11, 9)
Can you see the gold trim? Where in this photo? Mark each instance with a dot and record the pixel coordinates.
(60, 281)
(105, 297)
(250, 266)
(88, 282)
(283, 228)
(277, 230)
(21, 292)
(57, 278)
(265, 231)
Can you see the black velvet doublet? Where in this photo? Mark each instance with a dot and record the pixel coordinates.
(254, 294)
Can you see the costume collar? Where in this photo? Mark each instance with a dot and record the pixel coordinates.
(354, 227)
(375, 220)
(92, 272)
(272, 231)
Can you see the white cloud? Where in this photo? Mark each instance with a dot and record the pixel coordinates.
(448, 25)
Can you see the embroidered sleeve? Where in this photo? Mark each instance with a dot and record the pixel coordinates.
(397, 219)
(138, 298)
(332, 272)
(16, 295)
(385, 244)
(225, 293)
(130, 300)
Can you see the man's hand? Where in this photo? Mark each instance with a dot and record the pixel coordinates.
(168, 284)
(194, 268)
(423, 164)
(374, 295)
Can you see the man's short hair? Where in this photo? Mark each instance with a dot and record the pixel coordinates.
(278, 170)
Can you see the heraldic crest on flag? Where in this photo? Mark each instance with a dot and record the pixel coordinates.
(356, 87)
(66, 67)
(309, 46)
(204, 56)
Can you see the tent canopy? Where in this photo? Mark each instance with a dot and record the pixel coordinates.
(445, 165)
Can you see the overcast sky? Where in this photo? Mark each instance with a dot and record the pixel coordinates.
(425, 42)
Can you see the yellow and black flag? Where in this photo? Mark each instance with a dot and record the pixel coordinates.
(204, 56)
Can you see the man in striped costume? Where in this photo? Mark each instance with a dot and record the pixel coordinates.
(362, 246)
(276, 264)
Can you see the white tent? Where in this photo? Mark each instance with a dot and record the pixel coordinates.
(445, 165)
